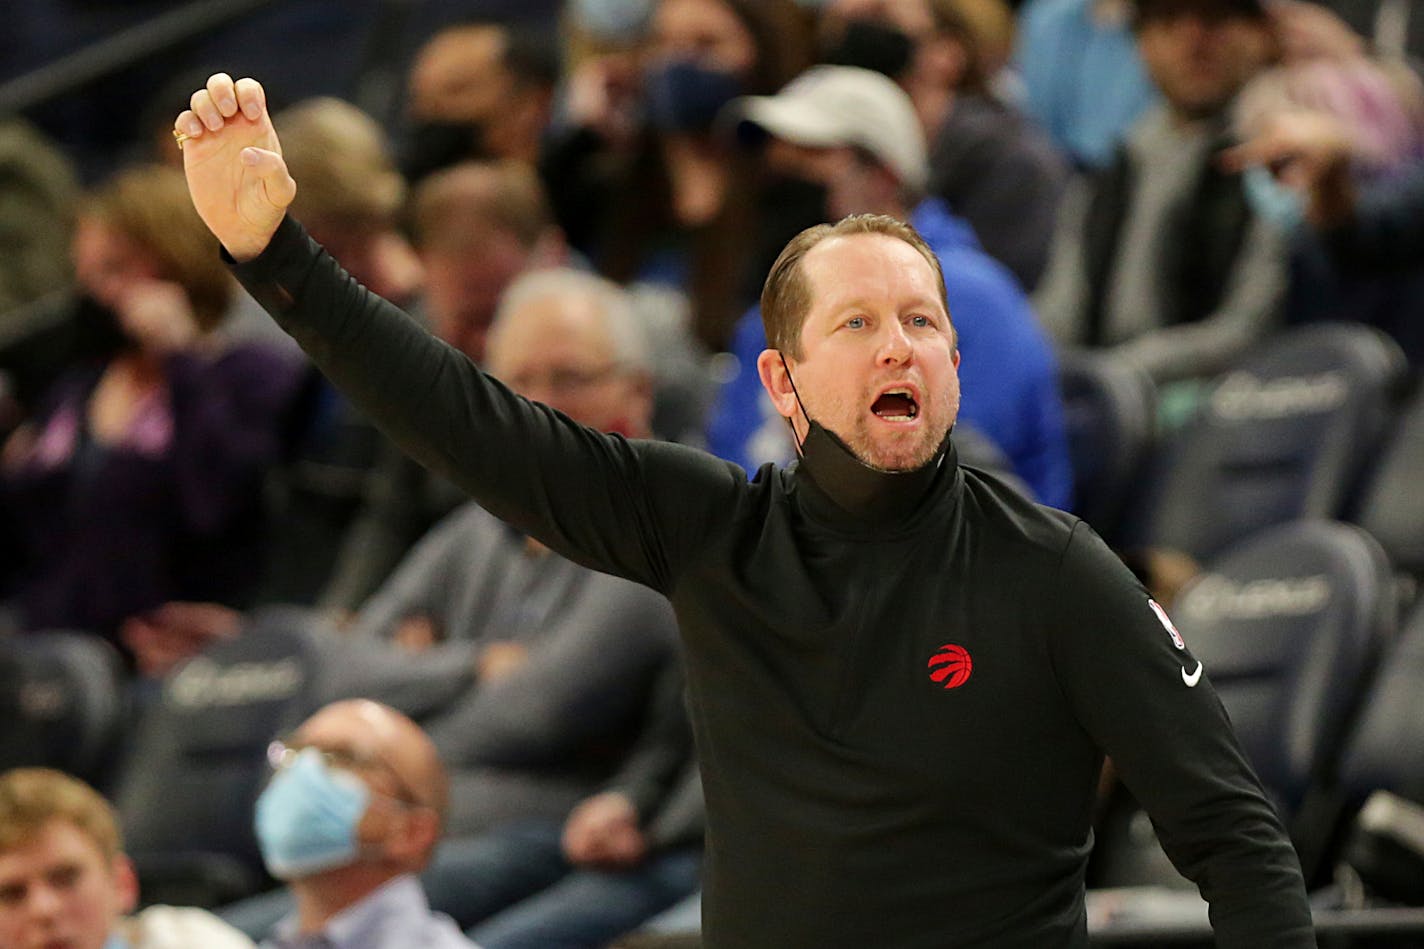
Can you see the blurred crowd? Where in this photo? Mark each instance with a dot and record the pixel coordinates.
(586, 205)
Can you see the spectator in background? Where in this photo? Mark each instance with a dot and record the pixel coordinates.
(352, 813)
(355, 195)
(995, 169)
(1366, 228)
(1159, 258)
(65, 881)
(37, 191)
(854, 135)
(477, 226)
(355, 199)
(639, 181)
(561, 654)
(479, 91)
(1362, 99)
(138, 477)
(1083, 80)
(1392, 29)
(529, 671)
(620, 856)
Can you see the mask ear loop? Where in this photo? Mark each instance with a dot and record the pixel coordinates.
(799, 404)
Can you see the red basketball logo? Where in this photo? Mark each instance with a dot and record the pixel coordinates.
(951, 666)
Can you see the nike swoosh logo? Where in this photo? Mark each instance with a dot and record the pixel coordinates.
(1192, 678)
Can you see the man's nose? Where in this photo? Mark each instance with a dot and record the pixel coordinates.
(43, 902)
(895, 346)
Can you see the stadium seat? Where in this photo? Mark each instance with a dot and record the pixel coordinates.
(1289, 625)
(1392, 504)
(1284, 435)
(1385, 752)
(1109, 411)
(199, 761)
(62, 703)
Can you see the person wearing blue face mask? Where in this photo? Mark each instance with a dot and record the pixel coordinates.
(639, 182)
(351, 814)
(65, 881)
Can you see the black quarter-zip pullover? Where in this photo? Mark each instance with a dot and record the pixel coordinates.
(900, 717)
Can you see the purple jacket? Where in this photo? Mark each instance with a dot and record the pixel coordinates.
(98, 533)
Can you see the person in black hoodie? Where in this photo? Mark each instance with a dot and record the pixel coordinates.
(903, 676)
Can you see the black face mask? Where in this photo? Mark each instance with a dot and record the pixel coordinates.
(853, 485)
(431, 146)
(98, 332)
(872, 45)
(788, 206)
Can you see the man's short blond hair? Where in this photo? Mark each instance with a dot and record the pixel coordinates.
(786, 295)
(33, 798)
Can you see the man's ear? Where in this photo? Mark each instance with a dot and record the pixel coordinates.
(776, 380)
(412, 845)
(125, 884)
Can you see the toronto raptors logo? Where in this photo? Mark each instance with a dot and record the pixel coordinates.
(951, 666)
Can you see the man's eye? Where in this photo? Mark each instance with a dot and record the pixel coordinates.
(11, 895)
(64, 877)
(855, 322)
(920, 321)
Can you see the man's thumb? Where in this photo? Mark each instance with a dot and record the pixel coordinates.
(271, 170)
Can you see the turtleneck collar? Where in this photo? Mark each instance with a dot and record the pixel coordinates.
(866, 494)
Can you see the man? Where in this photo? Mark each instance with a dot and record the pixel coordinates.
(852, 134)
(476, 227)
(993, 167)
(479, 90)
(65, 881)
(352, 194)
(528, 671)
(352, 813)
(620, 856)
(1158, 259)
(903, 676)
(561, 655)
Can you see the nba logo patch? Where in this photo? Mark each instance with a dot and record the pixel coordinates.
(1167, 624)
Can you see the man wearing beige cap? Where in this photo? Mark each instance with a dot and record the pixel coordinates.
(853, 134)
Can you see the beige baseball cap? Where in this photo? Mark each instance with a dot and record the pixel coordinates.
(828, 106)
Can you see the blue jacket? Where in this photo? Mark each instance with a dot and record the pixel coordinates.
(1008, 375)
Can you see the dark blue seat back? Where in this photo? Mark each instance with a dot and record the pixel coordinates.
(199, 760)
(1392, 503)
(1289, 626)
(1386, 749)
(1284, 435)
(61, 703)
(1109, 412)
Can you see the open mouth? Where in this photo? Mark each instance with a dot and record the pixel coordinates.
(896, 405)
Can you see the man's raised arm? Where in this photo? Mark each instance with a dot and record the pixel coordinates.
(635, 509)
